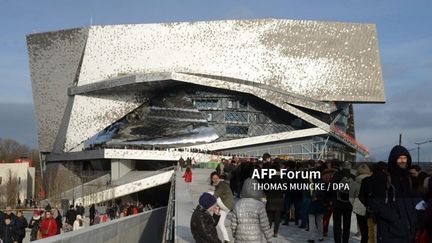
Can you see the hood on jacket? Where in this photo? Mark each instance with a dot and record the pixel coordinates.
(248, 190)
(363, 169)
(394, 155)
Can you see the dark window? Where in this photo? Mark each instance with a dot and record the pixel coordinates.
(243, 104)
(206, 103)
(236, 116)
(237, 130)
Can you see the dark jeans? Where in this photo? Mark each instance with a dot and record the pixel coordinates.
(274, 217)
(288, 201)
(362, 223)
(339, 215)
(304, 212)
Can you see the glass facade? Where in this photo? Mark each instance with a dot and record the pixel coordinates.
(206, 103)
(195, 114)
(189, 114)
(236, 130)
(236, 116)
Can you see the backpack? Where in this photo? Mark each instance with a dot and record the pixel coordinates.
(342, 194)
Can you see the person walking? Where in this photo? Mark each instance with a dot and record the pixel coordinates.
(70, 218)
(275, 201)
(182, 164)
(225, 201)
(368, 189)
(92, 213)
(327, 177)
(359, 208)
(21, 225)
(205, 219)
(8, 231)
(48, 226)
(424, 231)
(79, 223)
(249, 222)
(394, 202)
(57, 215)
(316, 214)
(187, 176)
(342, 208)
(34, 225)
(80, 210)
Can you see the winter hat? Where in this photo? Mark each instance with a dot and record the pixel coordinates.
(363, 169)
(79, 217)
(207, 200)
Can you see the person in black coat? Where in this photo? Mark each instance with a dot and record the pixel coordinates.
(80, 209)
(92, 212)
(58, 218)
(418, 177)
(393, 203)
(342, 208)
(8, 231)
(8, 213)
(71, 215)
(34, 225)
(21, 225)
(275, 200)
(368, 188)
(205, 219)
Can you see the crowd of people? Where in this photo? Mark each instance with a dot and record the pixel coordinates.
(43, 224)
(392, 201)
(160, 148)
(27, 203)
(51, 221)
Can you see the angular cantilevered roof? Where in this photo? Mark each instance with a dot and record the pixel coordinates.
(318, 61)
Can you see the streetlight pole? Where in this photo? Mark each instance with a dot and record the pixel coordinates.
(418, 149)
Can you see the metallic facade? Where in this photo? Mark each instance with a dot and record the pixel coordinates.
(86, 79)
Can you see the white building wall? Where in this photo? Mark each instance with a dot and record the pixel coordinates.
(31, 175)
(23, 173)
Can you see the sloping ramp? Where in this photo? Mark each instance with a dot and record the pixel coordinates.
(132, 182)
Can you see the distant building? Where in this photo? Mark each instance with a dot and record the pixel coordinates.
(24, 160)
(24, 174)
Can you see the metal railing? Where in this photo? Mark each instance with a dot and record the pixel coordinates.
(169, 228)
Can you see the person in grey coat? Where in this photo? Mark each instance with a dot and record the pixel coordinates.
(249, 222)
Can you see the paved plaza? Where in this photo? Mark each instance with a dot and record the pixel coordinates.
(187, 199)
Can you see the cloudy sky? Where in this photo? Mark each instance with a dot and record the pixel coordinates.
(404, 34)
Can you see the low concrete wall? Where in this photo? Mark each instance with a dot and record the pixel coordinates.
(145, 227)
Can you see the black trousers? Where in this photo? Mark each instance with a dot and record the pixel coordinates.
(274, 217)
(341, 215)
(362, 223)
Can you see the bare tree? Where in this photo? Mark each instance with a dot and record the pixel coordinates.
(10, 190)
(2, 195)
(11, 150)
